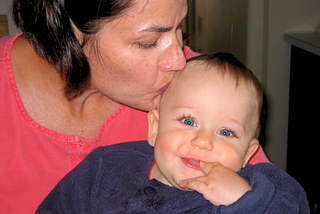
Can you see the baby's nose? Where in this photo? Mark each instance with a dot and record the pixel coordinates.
(203, 140)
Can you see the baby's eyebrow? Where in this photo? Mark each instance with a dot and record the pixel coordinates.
(239, 124)
(177, 107)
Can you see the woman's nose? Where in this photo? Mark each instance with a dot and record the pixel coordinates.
(174, 59)
(203, 140)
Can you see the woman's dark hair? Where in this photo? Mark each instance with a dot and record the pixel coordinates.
(47, 26)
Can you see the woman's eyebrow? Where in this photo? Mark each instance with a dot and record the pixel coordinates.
(157, 29)
(160, 29)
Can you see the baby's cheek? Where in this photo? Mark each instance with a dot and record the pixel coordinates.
(234, 161)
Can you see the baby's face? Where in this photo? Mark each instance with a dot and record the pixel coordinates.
(203, 117)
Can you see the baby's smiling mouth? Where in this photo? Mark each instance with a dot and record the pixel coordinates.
(191, 163)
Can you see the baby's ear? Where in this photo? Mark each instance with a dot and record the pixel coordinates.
(153, 119)
(254, 145)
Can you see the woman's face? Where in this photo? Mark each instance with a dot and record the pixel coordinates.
(139, 53)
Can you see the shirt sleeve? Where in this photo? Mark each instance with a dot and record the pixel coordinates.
(273, 191)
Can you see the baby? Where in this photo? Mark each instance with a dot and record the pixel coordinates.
(204, 132)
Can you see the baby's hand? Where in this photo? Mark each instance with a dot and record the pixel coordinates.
(220, 185)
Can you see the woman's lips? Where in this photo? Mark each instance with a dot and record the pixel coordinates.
(191, 163)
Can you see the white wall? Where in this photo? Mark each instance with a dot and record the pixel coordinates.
(5, 8)
(224, 26)
(269, 56)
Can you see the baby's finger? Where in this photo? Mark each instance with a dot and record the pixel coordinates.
(183, 183)
(196, 185)
(207, 167)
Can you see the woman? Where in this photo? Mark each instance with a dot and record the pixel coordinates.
(73, 80)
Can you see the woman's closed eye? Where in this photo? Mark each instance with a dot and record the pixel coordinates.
(148, 45)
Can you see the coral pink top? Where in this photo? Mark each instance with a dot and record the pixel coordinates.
(33, 158)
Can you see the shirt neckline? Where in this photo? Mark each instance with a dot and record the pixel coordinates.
(33, 124)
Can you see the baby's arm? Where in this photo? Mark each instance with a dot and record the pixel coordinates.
(273, 191)
(220, 185)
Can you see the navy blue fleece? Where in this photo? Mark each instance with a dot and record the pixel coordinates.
(114, 179)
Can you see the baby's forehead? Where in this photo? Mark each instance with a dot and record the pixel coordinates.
(190, 77)
(213, 71)
(196, 74)
(197, 71)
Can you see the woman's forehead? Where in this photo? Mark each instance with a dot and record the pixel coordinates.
(148, 17)
(164, 10)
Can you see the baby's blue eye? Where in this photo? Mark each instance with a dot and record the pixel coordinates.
(188, 122)
(225, 132)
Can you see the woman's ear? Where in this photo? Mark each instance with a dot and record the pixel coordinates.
(153, 120)
(253, 147)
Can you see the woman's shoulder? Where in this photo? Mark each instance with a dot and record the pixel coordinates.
(6, 44)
